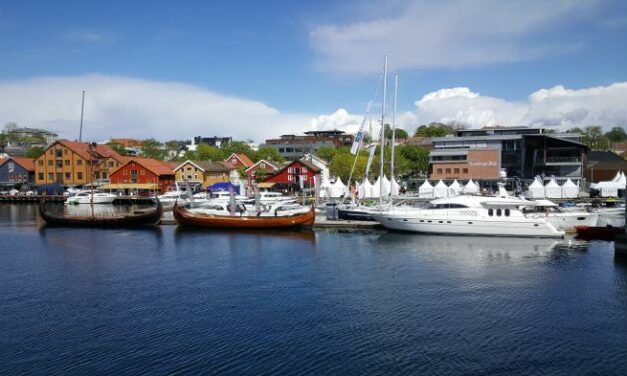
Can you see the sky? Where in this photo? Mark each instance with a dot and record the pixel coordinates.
(259, 69)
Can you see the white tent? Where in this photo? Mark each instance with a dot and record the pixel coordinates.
(440, 190)
(376, 188)
(326, 188)
(611, 188)
(618, 176)
(362, 189)
(395, 188)
(338, 189)
(425, 189)
(570, 189)
(471, 188)
(387, 186)
(552, 189)
(455, 188)
(622, 179)
(535, 189)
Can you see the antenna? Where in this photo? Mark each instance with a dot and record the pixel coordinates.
(80, 132)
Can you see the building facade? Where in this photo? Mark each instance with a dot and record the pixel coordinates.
(143, 173)
(17, 172)
(239, 160)
(294, 176)
(253, 173)
(494, 153)
(203, 173)
(294, 147)
(70, 163)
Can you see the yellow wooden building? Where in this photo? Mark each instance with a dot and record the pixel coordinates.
(204, 173)
(70, 163)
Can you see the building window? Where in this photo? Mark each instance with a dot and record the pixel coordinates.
(104, 175)
(134, 174)
(59, 163)
(439, 170)
(448, 170)
(79, 162)
(41, 176)
(65, 151)
(304, 170)
(58, 153)
(134, 181)
(67, 162)
(290, 170)
(79, 175)
(68, 176)
(456, 171)
(40, 162)
(465, 170)
(195, 176)
(50, 176)
(290, 177)
(50, 162)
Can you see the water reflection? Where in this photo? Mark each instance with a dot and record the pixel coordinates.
(306, 236)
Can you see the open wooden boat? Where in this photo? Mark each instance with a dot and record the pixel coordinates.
(186, 217)
(144, 218)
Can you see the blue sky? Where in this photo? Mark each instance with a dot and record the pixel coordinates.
(311, 58)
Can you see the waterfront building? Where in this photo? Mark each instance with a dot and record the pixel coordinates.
(294, 147)
(295, 176)
(203, 173)
(239, 160)
(71, 163)
(253, 173)
(142, 174)
(17, 172)
(108, 165)
(494, 153)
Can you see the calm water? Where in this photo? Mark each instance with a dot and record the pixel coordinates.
(165, 301)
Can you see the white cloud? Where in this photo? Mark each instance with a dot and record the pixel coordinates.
(554, 107)
(431, 34)
(127, 107)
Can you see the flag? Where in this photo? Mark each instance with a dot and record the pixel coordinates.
(372, 147)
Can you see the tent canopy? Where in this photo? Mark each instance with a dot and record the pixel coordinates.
(225, 186)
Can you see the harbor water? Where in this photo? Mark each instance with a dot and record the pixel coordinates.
(166, 300)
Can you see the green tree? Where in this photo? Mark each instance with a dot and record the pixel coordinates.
(260, 174)
(238, 147)
(206, 152)
(153, 149)
(418, 158)
(399, 133)
(616, 134)
(326, 152)
(34, 152)
(342, 163)
(117, 147)
(435, 130)
(595, 139)
(269, 153)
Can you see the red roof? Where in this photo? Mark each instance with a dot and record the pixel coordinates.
(27, 163)
(242, 158)
(155, 166)
(82, 149)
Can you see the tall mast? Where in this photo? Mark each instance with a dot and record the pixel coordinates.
(385, 86)
(393, 132)
(80, 132)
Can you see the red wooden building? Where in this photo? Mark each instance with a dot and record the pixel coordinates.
(268, 167)
(239, 160)
(143, 174)
(289, 176)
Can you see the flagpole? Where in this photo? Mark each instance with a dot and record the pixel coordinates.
(385, 72)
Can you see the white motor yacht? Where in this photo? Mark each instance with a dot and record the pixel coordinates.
(267, 197)
(172, 196)
(469, 215)
(562, 219)
(87, 197)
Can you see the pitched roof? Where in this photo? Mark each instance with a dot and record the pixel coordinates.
(242, 158)
(207, 165)
(274, 165)
(27, 163)
(82, 149)
(155, 166)
(603, 156)
(309, 165)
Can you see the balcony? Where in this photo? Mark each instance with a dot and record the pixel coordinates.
(556, 161)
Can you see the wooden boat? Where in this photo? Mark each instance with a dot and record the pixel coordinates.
(598, 233)
(242, 220)
(144, 218)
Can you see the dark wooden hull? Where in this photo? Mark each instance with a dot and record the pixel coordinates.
(186, 218)
(151, 217)
(354, 215)
(598, 233)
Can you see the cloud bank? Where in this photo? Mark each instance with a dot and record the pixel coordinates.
(434, 34)
(554, 107)
(126, 107)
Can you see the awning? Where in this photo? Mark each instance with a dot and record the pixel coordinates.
(266, 185)
(223, 186)
(130, 186)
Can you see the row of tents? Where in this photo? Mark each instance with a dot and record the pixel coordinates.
(552, 189)
(426, 190)
(381, 187)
